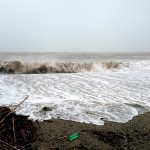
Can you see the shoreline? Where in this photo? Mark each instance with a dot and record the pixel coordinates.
(134, 134)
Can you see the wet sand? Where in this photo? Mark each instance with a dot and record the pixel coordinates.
(133, 135)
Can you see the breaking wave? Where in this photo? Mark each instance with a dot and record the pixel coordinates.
(53, 67)
(19, 67)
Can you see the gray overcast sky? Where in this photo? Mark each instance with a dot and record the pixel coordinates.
(75, 25)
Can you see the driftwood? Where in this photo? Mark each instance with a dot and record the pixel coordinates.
(13, 110)
(7, 146)
(13, 122)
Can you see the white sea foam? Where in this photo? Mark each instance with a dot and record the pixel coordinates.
(85, 97)
(89, 88)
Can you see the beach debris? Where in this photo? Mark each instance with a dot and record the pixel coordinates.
(16, 131)
(73, 136)
(13, 110)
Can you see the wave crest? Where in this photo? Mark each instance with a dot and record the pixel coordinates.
(14, 67)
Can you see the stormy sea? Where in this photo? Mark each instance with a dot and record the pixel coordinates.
(83, 87)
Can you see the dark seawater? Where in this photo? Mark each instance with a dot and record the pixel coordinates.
(79, 57)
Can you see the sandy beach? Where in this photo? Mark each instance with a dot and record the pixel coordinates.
(133, 135)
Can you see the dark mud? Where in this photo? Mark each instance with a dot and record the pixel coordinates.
(133, 135)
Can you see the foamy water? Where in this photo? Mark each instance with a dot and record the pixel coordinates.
(115, 93)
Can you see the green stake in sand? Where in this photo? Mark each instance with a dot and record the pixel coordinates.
(73, 136)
